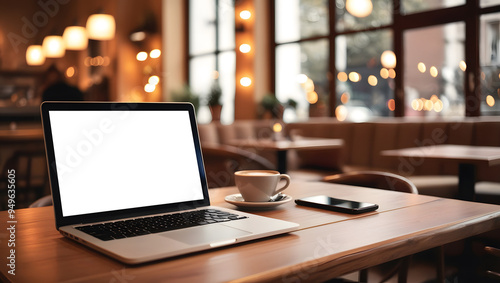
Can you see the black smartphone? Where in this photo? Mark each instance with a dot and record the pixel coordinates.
(335, 204)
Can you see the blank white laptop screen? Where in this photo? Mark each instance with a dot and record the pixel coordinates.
(112, 160)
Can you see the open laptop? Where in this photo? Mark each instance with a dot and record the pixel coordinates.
(128, 180)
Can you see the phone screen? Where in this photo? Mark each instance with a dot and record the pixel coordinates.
(335, 204)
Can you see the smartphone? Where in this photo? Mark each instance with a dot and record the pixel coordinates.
(335, 204)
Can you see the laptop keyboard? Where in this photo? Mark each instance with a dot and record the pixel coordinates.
(156, 224)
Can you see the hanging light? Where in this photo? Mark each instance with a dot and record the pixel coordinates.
(34, 55)
(359, 8)
(53, 46)
(388, 59)
(101, 27)
(75, 38)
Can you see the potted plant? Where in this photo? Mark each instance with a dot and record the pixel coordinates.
(214, 102)
(186, 95)
(270, 105)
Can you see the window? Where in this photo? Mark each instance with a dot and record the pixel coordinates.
(433, 44)
(211, 54)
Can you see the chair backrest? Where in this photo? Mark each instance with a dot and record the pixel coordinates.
(222, 161)
(30, 175)
(374, 179)
(43, 201)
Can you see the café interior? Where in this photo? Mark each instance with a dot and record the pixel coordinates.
(325, 90)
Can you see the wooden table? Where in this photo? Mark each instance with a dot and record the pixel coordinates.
(328, 244)
(282, 146)
(467, 156)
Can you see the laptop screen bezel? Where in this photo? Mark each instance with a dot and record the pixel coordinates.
(61, 220)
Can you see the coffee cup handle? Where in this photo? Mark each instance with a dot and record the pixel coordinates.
(287, 179)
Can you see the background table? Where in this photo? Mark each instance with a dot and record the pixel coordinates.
(282, 146)
(467, 156)
(328, 244)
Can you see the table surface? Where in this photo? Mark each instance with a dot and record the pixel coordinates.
(489, 155)
(298, 143)
(327, 244)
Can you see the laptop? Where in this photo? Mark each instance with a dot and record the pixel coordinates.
(128, 180)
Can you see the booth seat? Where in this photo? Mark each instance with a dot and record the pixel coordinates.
(364, 141)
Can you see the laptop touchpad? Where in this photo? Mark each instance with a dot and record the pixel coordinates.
(206, 234)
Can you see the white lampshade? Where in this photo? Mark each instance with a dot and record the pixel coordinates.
(53, 46)
(34, 55)
(359, 8)
(101, 27)
(75, 38)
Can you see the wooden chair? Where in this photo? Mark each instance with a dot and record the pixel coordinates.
(31, 177)
(221, 161)
(385, 181)
(43, 201)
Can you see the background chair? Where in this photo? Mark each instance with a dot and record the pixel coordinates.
(43, 201)
(31, 179)
(392, 182)
(221, 161)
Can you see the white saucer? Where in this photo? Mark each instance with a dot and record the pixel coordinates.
(237, 200)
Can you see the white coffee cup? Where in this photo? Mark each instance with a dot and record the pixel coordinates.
(259, 185)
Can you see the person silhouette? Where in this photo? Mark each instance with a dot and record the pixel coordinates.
(57, 88)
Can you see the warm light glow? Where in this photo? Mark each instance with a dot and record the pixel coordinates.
(421, 67)
(341, 112)
(354, 77)
(245, 81)
(277, 127)
(391, 104)
(34, 55)
(312, 97)
(155, 53)
(344, 98)
(309, 85)
(342, 76)
(149, 88)
(428, 105)
(392, 73)
(138, 36)
(384, 73)
(141, 56)
(414, 104)
(53, 46)
(372, 80)
(101, 27)
(75, 38)
(462, 65)
(245, 48)
(433, 71)
(154, 80)
(301, 78)
(245, 14)
(388, 59)
(438, 106)
(359, 8)
(490, 100)
(70, 72)
(215, 74)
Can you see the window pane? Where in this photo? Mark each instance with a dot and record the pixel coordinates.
(293, 61)
(488, 3)
(227, 70)
(363, 90)
(201, 77)
(414, 6)
(201, 26)
(490, 64)
(380, 15)
(226, 25)
(434, 79)
(297, 19)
